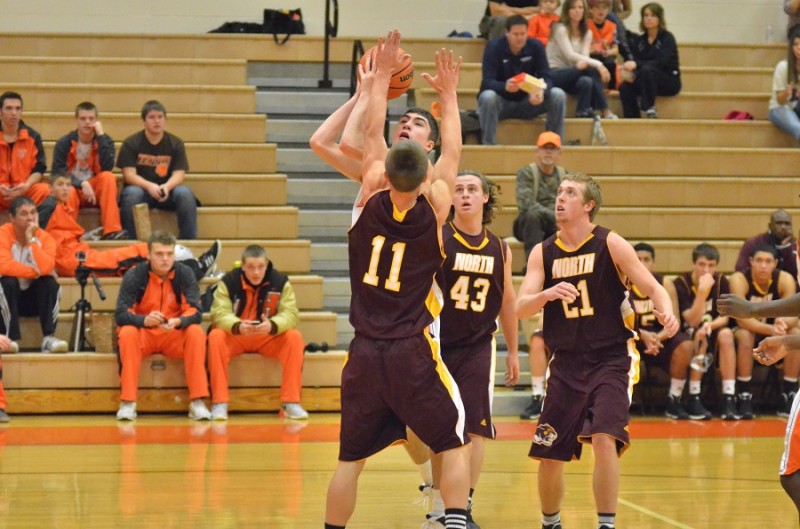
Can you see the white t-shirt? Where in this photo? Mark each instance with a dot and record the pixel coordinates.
(780, 81)
(564, 51)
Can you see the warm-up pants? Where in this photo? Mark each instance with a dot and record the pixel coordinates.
(286, 347)
(189, 344)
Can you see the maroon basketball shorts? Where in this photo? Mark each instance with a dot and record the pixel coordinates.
(664, 357)
(473, 369)
(390, 384)
(588, 393)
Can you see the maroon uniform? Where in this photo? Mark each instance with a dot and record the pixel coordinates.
(594, 365)
(646, 320)
(394, 257)
(687, 291)
(394, 375)
(472, 281)
(757, 295)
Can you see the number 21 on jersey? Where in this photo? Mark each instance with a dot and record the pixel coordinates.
(585, 308)
(371, 276)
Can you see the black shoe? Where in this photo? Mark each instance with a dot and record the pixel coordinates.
(534, 408)
(554, 526)
(675, 409)
(115, 236)
(745, 408)
(208, 261)
(696, 410)
(785, 407)
(314, 347)
(470, 522)
(729, 412)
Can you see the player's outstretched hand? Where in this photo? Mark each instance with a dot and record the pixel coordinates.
(563, 291)
(770, 350)
(386, 59)
(448, 69)
(669, 321)
(732, 305)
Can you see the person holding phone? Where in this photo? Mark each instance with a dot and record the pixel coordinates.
(255, 310)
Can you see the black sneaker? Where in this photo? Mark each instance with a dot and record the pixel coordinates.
(745, 408)
(208, 261)
(534, 408)
(696, 410)
(729, 412)
(115, 236)
(785, 407)
(470, 522)
(554, 526)
(675, 409)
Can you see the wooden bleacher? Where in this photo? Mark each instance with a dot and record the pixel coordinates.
(674, 182)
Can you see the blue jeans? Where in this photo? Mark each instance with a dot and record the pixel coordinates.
(492, 107)
(585, 84)
(787, 120)
(181, 199)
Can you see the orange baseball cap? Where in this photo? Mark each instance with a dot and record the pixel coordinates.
(548, 137)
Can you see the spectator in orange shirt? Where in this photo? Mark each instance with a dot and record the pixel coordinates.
(87, 156)
(58, 218)
(539, 25)
(29, 286)
(22, 159)
(158, 310)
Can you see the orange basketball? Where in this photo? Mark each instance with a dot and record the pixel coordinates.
(402, 76)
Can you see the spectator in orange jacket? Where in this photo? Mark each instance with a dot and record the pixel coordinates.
(86, 155)
(58, 219)
(29, 288)
(22, 159)
(158, 310)
(539, 26)
(255, 310)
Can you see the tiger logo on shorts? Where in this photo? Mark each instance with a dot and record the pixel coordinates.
(545, 435)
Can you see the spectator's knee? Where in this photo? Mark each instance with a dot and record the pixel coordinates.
(557, 96)
(132, 195)
(127, 333)
(584, 83)
(216, 338)
(488, 98)
(295, 340)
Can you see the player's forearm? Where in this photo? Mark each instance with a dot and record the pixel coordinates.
(450, 137)
(528, 305)
(780, 307)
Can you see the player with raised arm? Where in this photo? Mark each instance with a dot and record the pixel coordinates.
(394, 368)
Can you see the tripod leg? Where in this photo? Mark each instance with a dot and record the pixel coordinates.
(78, 325)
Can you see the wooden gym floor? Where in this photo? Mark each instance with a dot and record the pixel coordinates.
(164, 471)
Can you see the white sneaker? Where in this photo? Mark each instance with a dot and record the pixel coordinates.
(126, 411)
(51, 344)
(198, 410)
(219, 411)
(293, 410)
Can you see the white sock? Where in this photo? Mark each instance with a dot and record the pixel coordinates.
(729, 387)
(537, 385)
(694, 387)
(676, 386)
(438, 505)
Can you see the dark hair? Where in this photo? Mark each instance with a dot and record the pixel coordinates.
(432, 123)
(86, 105)
(657, 11)
(151, 106)
(9, 95)
(18, 203)
(490, 189)
(161, 237)
(766, 248)
(583, 26)
(516, 20)
(406, 166)
(253, 251)
(709, 251)
(591, 191)
(644, 247)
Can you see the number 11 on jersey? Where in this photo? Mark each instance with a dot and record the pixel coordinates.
(371, 277)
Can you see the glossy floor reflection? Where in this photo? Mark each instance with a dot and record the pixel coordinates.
(260, 471)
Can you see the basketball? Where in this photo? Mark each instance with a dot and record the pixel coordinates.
(402, 76)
